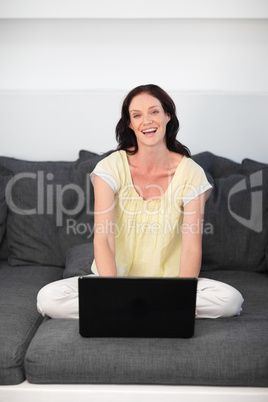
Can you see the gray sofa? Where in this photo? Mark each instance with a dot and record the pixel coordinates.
(46, 233)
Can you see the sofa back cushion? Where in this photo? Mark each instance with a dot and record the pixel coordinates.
(4, 249)
(50, 209)
(4, 179)
(236, 216)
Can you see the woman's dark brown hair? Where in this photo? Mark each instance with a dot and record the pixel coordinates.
(125, 136)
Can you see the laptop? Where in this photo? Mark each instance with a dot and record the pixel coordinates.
(137, 307)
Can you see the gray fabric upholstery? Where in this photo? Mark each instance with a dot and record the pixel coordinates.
(229, 244)
(4, 179)
(226, 351)
(4, 250)
(85, 155)
(46, 193)
(79, 260)
(5, 176)
(19, 318)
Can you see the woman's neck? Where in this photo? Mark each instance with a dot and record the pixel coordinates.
(152, 159)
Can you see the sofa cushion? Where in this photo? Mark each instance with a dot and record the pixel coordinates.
(4, 179)
(236, 215)
(4, 250)
(85, 155)
(19, 317)
(79, 260)
(50, 209)
(223, 352)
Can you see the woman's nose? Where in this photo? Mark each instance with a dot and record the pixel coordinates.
(147, 120)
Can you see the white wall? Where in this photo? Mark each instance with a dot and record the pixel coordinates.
(181, 54)
(62, 80)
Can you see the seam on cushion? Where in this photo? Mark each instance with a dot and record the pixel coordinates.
(22, 349)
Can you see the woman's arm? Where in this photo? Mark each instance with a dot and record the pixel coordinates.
(191, 251)
(104, 238)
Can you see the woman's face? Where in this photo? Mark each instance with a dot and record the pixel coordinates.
(148, 119)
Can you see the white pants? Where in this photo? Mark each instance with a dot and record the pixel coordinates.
(214, 299)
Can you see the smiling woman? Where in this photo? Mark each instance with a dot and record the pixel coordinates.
(150, 121)
(160, 102)
(149, 206)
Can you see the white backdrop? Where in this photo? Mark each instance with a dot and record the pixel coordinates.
(62, 79)
(56, 125)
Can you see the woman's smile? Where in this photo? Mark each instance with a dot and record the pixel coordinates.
(149, 132)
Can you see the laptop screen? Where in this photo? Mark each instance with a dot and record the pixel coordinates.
(137, 307)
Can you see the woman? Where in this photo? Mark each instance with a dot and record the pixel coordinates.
(149, 206)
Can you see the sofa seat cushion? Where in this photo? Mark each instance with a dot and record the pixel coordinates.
(223, 352)
(18, 315)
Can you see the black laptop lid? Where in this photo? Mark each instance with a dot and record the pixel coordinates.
(137, 307)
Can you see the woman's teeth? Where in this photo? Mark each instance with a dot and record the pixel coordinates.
(149, 131)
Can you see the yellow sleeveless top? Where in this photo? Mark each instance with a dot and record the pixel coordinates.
(148, 232)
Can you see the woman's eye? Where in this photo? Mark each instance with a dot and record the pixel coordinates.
(155, 111)
(136, 115)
